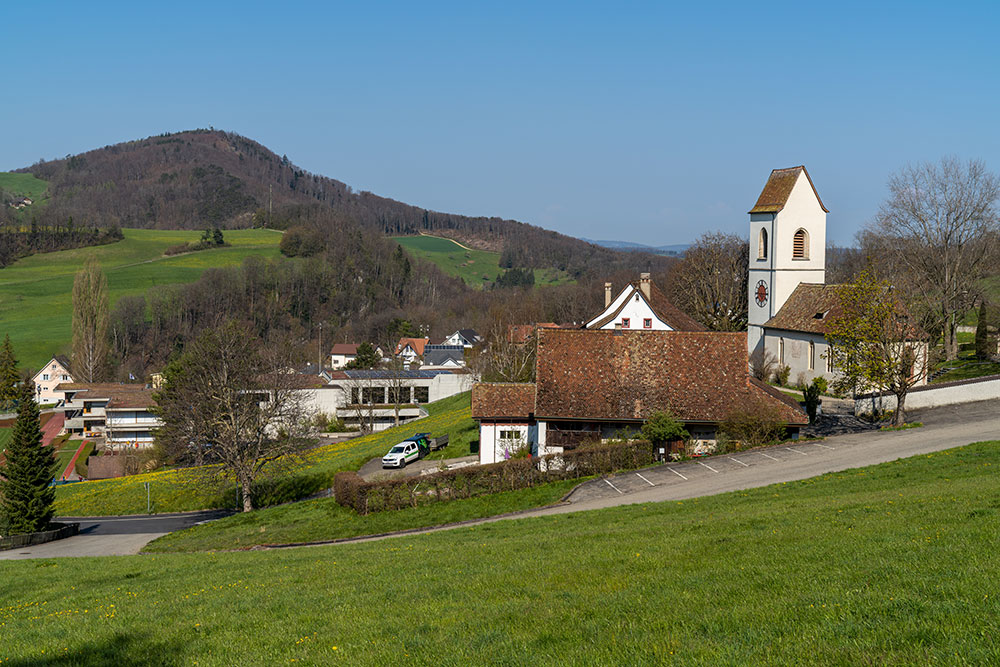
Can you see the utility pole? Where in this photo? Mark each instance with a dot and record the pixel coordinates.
(319, 351)
(270, 204)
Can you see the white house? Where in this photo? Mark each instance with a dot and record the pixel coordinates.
(641, 306)
(467, 338)
(411, 349)
(343, 354)
(121, 413)
(790, 304)
(51, 374)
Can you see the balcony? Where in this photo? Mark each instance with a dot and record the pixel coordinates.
(133, 422)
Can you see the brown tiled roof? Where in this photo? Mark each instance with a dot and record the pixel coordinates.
(628, 375)
(779, 187)
(809, 308)
(661, 306)
(345, 348)
(499, 400)
(101, 389)
(416, 343)
(131, 399)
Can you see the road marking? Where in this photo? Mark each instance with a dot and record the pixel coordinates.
(644, 479)
(796, 451)
(676, 473)
(770, 457)
(707, 466)
(613, 486)
(816, 444)
(738, 461)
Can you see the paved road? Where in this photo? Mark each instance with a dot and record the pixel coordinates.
(113, 535)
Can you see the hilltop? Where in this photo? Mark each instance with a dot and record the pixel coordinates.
(203, 178)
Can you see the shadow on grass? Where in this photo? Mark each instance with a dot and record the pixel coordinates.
(121, 650)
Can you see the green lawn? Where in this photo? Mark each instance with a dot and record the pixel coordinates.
(885, 565)
(317, 520)
(36, 292)
(190, 488)
(477, 268)
(65, 450)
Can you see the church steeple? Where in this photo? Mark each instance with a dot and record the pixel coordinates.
(787, 245)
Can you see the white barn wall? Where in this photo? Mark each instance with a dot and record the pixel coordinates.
(932, 396)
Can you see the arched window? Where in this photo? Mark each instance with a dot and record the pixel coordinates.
(800, 245)
(762, 244)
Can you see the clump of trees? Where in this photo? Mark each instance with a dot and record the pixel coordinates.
(17, 240)
(710, 282)
(25, 495)
(210, 238)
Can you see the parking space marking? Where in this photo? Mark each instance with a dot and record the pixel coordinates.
(796, 451)
(644, 479)
(770, 457)
(738, 461)
(676, 473)
(816, 444)
(614, 487)
(707, 466)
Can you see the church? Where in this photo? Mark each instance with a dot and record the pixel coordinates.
(790, 305)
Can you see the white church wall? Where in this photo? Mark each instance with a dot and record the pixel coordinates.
(796, 353)
(932, 396)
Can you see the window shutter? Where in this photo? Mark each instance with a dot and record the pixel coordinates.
(800, 245)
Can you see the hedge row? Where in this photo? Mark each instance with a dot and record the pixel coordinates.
(364, 497)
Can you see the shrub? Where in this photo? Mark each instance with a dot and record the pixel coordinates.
(762, 364)
(781, 375)
(753, 426)
(662, 427)
(821, 384)
(812, 394)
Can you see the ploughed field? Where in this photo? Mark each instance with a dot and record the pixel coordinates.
(36, 292)
(890, 564)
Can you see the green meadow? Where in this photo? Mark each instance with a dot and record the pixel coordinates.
(886, 565)
(36, 293)
(478, 268)
(24, 185)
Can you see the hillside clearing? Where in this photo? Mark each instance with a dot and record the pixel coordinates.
(24, 185)
(880, 565)
(478, 268)
(36, 291)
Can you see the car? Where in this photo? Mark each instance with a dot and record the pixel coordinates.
(401, 454)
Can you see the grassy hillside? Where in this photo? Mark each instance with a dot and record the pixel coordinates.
(36, 292)
(882, 565)
(24, 185)
(191, 489)
(476, 267)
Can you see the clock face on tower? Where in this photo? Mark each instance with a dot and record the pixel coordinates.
(760, 295)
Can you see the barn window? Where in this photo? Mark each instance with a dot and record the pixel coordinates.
(762, 244)
(625, 322)
(800, 245)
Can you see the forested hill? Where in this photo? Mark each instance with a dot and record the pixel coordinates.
(204, 178)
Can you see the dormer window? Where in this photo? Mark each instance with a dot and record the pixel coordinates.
(800, 245)
(762, 244)
(625, 322)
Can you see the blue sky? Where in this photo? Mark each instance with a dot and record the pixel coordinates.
(645, 122)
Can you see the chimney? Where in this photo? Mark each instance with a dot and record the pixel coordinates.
(618, 328)
(607, 294)
(644, 284)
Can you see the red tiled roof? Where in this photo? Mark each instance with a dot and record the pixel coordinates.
(661, 306)
(345, 348)
(416, 343)
(809, 308)
(628, 375)
(496, 400)
(778, 189)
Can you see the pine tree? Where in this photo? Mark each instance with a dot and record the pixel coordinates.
(25, 495)
(8, 374)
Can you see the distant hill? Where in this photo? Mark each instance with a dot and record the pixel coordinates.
(672, 250)
(204, 178)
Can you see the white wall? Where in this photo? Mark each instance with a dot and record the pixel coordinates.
(636, 310)
(492, 448)
(45, 389)
(932, 396)
(797, 353)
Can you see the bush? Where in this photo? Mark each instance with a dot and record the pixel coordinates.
(662, 427)
(811, 394)
(821, 384)
(753, 427)
(781, 375)
(517, 473)
(762, 364)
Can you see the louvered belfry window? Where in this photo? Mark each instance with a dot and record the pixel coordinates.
(800, 245)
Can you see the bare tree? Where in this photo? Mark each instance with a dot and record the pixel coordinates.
(245, 400)
(503, 357)
(90, 323)
(710, 283)
(940, 226)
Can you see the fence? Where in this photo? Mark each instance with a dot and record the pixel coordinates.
(365, 497)
(57, 532)
(933, 395)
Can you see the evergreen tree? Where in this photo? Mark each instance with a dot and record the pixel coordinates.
(982, 333)
(367, 357)
(217, 237)
(25, 495)
(8, 374)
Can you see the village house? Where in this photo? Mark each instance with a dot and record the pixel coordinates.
(411, 349)
(56, 370)
(790, 304)
(641, 306)
(467, 338)
(342, 354)
(120, 413)
(598, 384)
(443, 356)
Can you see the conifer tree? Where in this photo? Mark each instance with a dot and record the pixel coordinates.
(25, 495)
(8, 374)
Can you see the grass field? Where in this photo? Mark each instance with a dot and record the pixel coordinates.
(191, 489)
(24, 185)
(886, 565)
(36, 292)
(478, 268)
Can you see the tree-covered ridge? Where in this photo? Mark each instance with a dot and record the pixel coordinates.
(206, 178)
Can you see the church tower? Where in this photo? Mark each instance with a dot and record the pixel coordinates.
(787, 245)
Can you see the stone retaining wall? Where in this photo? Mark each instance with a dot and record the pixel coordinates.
(934, 395)
(57, 531)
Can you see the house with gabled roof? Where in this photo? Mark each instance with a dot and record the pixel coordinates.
(411, 349)
(595, 384)
(641, 306)
(467, 338)
(46, 380)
